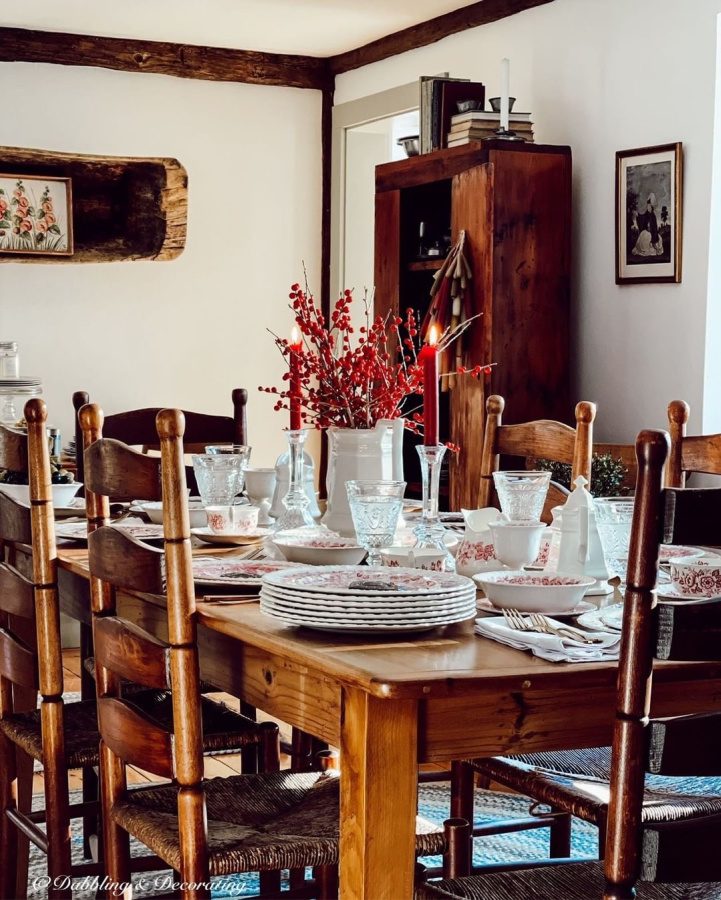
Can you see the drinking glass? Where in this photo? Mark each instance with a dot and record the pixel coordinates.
(219, 477)
(375, 507)
(522, 494)
(228, 450)
(613, 520)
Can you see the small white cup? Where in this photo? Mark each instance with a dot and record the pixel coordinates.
(413, 558)
(517, 543)
(232, 519)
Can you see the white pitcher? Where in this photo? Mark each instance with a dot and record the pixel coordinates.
(365, 454)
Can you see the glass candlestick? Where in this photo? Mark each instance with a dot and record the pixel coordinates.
(296, 513)
(430, 533)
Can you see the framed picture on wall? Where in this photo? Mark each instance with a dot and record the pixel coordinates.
(648, 214)
(36, 215)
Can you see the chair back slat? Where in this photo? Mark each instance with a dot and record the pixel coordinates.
(17, 663)
(693, 516)
(543, 439)
(16, 593)
(131, 652)
(118, 471)
(124, 562)
(685, 746)
(688, 631)
(702, 453)
(15, 521)
(682, 852)
(134, 737)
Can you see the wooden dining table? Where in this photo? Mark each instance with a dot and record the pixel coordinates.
(392, 703)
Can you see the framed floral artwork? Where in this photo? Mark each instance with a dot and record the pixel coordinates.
(648, 214)
(36, 215)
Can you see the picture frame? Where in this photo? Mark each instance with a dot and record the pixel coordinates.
(649, 192)
(36, 215)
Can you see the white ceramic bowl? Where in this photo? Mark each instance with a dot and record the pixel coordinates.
(196, 510)
(533, 591)
(62, 493)
(325, 551)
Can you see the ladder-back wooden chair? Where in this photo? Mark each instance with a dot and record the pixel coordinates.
(58, 735)
(137, 428)
(262, 822)
(689, 453)
(541, 439)
(663, 793)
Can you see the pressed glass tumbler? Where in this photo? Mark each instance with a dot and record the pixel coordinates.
(613, 520)
(522, 494)
(375, 507)
(219, 477)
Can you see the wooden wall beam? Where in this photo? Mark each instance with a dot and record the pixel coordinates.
(480, 13)
(164, 58)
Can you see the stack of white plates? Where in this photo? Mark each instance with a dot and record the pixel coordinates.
(367, 601)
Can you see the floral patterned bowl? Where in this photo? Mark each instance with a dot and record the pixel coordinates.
(321, 550)
(696, 577)
(533, 591)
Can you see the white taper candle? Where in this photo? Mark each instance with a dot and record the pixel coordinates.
(505, 92)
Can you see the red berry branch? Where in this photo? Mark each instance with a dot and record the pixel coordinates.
(355, 382)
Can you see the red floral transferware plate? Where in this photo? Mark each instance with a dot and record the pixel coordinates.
(352, 579)
(218, 570)
(669, 551)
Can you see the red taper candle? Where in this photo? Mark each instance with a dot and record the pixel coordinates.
(296, 346)
(429, 358)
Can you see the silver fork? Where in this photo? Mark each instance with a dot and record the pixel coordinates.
(516, 621)
(543, 625)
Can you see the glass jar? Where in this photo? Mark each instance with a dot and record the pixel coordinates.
(9, 359)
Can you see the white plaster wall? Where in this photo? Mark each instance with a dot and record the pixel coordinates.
(184, 332)
(606, 75)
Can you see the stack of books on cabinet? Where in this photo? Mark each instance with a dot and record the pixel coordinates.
(479, 124)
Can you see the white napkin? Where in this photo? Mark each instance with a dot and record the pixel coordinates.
(550, 646)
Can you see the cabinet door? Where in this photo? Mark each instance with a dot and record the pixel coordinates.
(472, 211)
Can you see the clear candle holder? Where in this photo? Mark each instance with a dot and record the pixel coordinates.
(296, 513)
(430, 533)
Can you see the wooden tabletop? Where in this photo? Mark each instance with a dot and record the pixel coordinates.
(448, 661)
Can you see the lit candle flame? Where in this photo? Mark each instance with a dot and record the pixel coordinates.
(294, 336)
(433, 335)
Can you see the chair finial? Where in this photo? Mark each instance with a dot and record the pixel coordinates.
(36, 411)
(585, 412)
(91, 417)
(678, 412)
(652, 446)
(495, 405)
(170, 423)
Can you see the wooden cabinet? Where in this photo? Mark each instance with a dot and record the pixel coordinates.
(514, 202)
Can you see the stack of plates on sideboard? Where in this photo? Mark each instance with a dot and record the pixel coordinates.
(366, 601)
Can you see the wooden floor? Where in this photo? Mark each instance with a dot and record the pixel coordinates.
(228, 764)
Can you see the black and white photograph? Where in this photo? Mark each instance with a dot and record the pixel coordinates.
(648, 214)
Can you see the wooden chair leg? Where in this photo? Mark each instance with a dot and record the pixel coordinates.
(457, 855)
(462, 799)
(269, 750)
(560, 844)
(302, 748)
(270, 884)
(251, 756)
(327, 882)
(8, 832)
(116, 841)
(24, 798)
(55, 779)
(91, 783)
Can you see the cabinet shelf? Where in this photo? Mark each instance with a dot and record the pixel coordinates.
(426, 265)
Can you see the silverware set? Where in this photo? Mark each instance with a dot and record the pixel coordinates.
(539, 624)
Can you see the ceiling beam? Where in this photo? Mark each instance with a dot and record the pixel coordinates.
(480, 13)
(162, 57)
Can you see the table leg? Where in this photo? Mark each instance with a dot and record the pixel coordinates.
(379, 796)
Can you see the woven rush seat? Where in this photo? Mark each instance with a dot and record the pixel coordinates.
(280, 820)
(578, 881)
(223, 729)
(579, 782)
